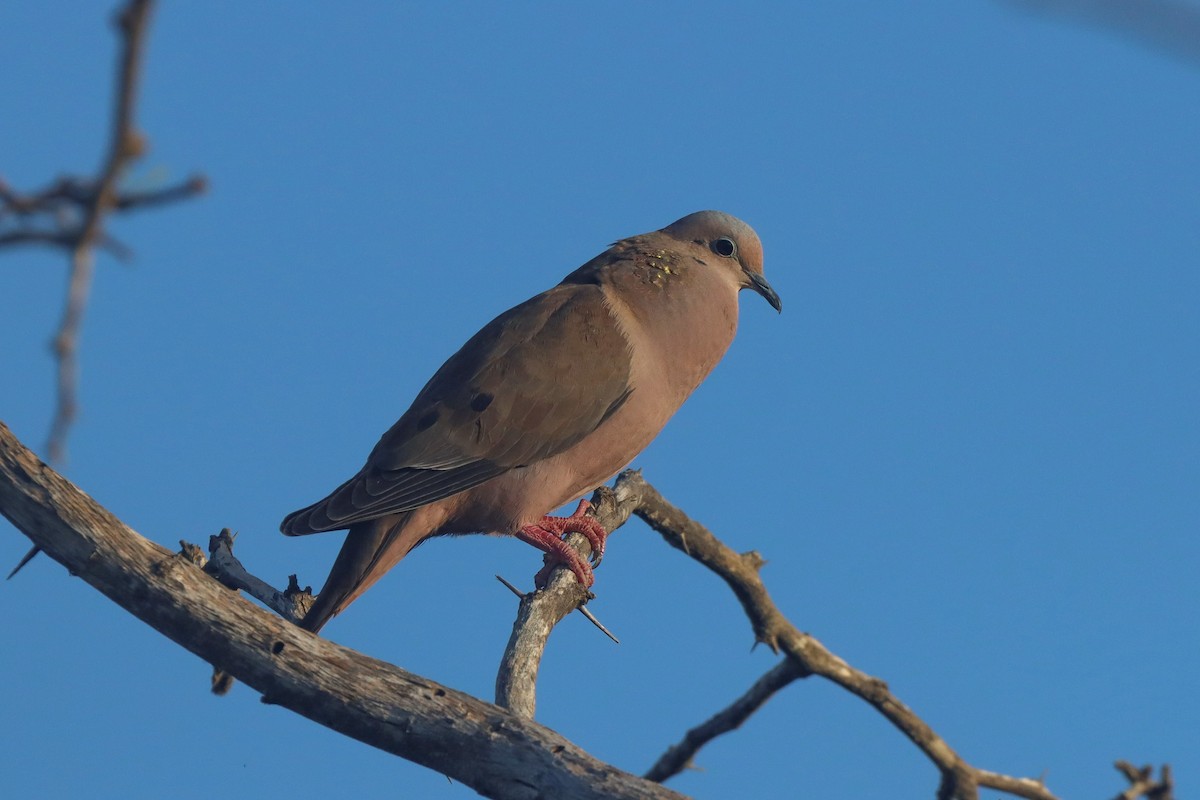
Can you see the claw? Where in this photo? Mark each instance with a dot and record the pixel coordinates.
(547, 537)
(579, 522)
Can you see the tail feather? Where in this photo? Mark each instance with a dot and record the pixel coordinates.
(370, 550)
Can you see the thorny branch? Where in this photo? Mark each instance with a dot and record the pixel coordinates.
(631, 495)
(539, 612)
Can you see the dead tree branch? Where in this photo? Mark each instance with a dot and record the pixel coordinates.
(679, 756)
(364, 698)
(292, 603)
(539, 612)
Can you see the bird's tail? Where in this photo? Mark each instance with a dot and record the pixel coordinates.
(370, 550)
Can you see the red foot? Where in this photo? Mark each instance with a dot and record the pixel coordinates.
(547, 536)
(581, 523)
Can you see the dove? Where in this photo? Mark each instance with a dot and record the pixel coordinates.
(547, 402)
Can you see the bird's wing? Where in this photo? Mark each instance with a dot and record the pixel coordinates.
(535, 381)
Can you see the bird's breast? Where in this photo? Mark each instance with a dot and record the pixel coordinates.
(679, 320)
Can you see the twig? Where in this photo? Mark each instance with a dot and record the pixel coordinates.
(511, 588)
(1142, 782)
(292, 603)
(35, 236)
(65, 347)
(64, 240)
(148, 198)
(679, 756)
(68, 195)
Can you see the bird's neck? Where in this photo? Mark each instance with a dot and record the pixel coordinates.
(687, 308)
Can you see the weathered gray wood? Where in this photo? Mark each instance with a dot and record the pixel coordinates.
(495, 752)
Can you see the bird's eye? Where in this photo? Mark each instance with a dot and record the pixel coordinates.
(724, 247)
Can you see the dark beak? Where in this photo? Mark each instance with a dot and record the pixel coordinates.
(759, 284)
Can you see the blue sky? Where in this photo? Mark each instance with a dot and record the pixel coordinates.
(969, 448)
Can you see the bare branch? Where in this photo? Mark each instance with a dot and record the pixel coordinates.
(679, 756)
(292, 603)
(741, 573)
(64, 240)
(539, 612)
(1142, 782)
(68, 195)
(76, 208)
(364, 698)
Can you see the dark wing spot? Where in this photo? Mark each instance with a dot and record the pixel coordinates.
(426, 422)
(481, 401)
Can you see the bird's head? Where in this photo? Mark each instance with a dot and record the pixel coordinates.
(733, 242)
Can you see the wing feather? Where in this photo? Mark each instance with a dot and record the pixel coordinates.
(531, 384)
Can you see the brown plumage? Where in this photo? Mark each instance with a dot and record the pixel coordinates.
(550, 400)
